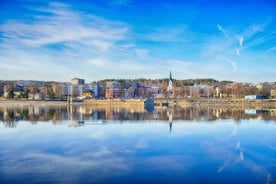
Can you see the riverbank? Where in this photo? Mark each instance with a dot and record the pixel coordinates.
(220, 103)
(90, 102)
(139, 103)
(224, 103)
(21, 103)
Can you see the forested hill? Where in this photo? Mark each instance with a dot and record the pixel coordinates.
(177, 82)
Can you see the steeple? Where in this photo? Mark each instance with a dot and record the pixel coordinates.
(171, 76)
(170, 87)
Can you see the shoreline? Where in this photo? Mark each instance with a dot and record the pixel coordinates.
(19, 103)
(183, 103)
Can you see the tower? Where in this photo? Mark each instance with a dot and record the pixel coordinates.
(170, 87)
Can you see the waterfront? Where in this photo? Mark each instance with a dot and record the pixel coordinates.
(82, 144)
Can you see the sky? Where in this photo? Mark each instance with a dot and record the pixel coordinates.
(129, 39)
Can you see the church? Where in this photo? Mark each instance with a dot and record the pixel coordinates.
(170, 87)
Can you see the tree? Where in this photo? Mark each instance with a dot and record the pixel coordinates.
(52, 94)
(236, 89)
(26, 93)
(266, 90)
(10, 94)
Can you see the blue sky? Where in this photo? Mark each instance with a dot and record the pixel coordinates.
(60, 40)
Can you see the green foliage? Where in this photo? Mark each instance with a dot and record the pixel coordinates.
(52, 94)
(178, 83)
(26, 94)
(226, 82)
(10, 94)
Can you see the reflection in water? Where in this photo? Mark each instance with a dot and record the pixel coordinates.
(77, 115)
(139, 152)
(195, 151)
(170, 108)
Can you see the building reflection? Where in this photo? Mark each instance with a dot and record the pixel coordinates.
(170, 109)
(81, 114)
(75, 116)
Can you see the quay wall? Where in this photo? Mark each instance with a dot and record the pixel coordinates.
(139, 103)
(229, 103)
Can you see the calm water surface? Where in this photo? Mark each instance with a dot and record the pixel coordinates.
(83, 145)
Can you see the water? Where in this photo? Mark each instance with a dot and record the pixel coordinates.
(87, 145)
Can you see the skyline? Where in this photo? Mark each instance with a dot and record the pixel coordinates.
(60, 40)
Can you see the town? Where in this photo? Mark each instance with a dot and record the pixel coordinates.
(78, 89)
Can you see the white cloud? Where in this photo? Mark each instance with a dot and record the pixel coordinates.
(64, 26)
(228, 41)
(224, 31)
(99, 62)
(240, 39)
(58, 44)
(142, 53)
(179, 63)
(62, 30)
(238, 52)
(167, 34)
(234, 65)
(220, 28)
(132, 66)
(22, 65)
(249, 34)
(271, 49)
(253, 29)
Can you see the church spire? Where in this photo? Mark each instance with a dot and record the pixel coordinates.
(170, 87)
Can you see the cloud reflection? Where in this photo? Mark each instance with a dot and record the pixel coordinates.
(64, 168)
(102, 152)
(141, 144)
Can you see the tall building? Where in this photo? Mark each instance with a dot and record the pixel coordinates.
(77, 81)
(97, 91)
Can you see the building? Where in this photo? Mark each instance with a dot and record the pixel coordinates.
(113, 90)
(88, 94)
(155, 91)
(112, 93)
(36, 96)
(186, 91)
(179, 92)
(97, 90)
(170, 86)
(16, 91)
(131, 89)
(77, 81)
(61, 90)
(77, 90)
(273, 93)
(254, 97)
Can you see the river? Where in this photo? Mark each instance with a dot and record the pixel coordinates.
(82, 144)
